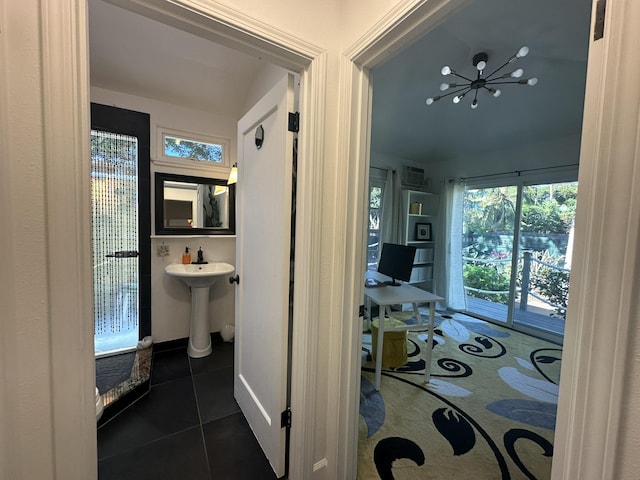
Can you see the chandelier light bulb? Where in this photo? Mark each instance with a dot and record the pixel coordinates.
(532, 81)
(430, 100)
(522, 52)
(474, 104)
(457, 98)
(445, 70)
(497, 93)
(444, 86)
(517, 73)
(481, 65)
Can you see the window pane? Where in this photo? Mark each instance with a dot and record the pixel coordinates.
(183, 148)
(373, 243)
(489, 224)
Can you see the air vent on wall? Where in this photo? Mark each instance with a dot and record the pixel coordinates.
(413, 176)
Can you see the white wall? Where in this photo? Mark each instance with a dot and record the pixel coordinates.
(544, 154)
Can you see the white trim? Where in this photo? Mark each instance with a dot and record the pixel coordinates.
(320, 465)
(596, 352)
(192, 163)
(226, 26)
(65, 83)
(306, 313)
(344, 355)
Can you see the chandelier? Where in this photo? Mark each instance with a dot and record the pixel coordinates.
(487, 83)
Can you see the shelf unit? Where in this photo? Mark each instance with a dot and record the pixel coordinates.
(420, 208)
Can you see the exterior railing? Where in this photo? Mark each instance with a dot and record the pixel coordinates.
(524, 289)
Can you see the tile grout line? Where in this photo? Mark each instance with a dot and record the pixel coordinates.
(204, 440)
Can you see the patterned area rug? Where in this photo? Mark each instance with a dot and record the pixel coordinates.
(488, 412)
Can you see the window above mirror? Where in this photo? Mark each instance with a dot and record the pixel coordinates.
(187, 205)
(191, 150)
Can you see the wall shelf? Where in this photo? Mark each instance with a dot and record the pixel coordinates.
(426, 204)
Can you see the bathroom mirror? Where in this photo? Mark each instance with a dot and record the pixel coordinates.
(187, 205)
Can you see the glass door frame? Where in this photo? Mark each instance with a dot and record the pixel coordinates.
(135, 124)
(519, 181)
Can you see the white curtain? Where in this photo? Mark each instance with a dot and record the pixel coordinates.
(391, 209)
(449, 281)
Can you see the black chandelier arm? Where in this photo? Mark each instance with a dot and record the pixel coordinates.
(488, 77)
(466, 88)
(455, 74)
(521, 82)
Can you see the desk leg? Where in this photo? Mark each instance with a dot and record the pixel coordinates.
(378, 377)
(367, 317)
(429, 354)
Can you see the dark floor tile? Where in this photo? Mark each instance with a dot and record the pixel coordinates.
(220, 357)
(234, 452)
(214, 393)
(170, 365)
(166, 409)
(171, 345)
(180, 456)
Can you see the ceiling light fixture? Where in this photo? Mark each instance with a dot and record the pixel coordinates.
(494, 78)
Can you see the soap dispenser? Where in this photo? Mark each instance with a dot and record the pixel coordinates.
(186, 256)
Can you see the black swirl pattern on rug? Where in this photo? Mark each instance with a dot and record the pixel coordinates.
(390, 449)
(515, 434)
(486, 347)
(537, 358)
(502, 464)
(457, 368)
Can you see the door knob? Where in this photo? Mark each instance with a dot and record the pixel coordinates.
(235, 279)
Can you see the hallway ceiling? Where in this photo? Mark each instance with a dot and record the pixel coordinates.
(133, 54)
(139, 56)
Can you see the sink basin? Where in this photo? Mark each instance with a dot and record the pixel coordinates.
(199, 275)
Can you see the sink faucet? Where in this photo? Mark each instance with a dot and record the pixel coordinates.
(200, 256)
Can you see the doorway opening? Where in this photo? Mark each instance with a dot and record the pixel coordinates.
(440, 163)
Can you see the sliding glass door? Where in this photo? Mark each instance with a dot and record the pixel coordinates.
(544, 262)
(488, 249)
(517, 254)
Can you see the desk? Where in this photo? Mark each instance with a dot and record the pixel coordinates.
(386, 296)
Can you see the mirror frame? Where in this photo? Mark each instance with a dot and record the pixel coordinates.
(160, 178)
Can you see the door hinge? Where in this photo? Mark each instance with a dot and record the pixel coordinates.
(285, 418)
(361, 311)
(294, 122)
(598, 28)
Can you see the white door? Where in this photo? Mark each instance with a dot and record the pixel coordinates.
(263, 263)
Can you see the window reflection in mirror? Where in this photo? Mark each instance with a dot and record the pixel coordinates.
(187, 205)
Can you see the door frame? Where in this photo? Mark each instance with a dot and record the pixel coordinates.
(595, 352)
(66, 96)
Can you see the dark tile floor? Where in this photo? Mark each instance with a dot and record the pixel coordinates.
(188, 426)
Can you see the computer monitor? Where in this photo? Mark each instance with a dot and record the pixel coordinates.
(396, 261)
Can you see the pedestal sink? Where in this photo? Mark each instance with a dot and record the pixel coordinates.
(200, 277)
